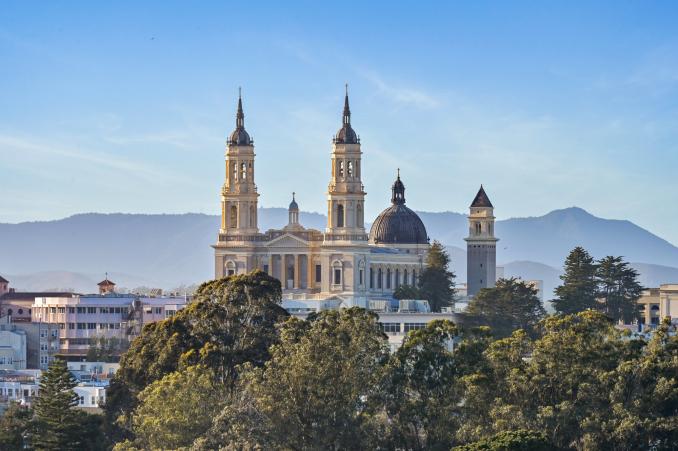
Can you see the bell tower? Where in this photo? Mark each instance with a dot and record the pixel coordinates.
(345, 192)
(481, 252)
(239, 193)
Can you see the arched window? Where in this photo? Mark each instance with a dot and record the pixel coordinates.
(243, 171)
(253, 216)
(233, 223)
(478, 229)
(341, 169)
(235, 171)
(230, 268)
(359, 214)
(380, 279)
(397, 278)
(340, 215)
(349, 168)
(405, 281)
(336, 272)
(414, 277)
(388, 278)
(371, 278)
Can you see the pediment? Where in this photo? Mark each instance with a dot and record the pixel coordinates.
(287, 240)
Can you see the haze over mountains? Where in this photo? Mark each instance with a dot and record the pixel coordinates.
(171, 250)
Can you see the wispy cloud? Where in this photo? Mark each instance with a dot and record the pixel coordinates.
(9, 143)
(404, 96)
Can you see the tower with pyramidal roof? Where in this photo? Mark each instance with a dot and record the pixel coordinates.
(481, 245)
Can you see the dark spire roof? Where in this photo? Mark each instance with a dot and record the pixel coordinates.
(346, 134)
(240, 137)
(293, 204)
(105, 282)
(398, 191)
(481, 199)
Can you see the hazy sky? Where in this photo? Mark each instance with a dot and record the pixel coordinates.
(125, 108)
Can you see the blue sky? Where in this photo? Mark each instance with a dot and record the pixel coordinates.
(124, 107)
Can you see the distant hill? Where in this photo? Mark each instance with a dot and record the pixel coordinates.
(171, 250)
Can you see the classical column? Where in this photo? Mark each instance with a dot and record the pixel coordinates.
(270, 265)
(283, 270)
(297, 270)
(310, 271)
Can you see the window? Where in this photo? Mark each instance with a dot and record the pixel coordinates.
(235, 171)
(414, 326)
(337, 276)
(103, 310)
(361, 275)
(117, 310)
(388, 278)
(157, 310)
(405, 276)
(43, 347)
(340, 215)
(82, 326)
(103, 326)
(350, 168)
(414, 277)
(243, 171)
(169, 313)
(380, 282)
(91, 326)
(62, 326)
(43, 334)
(59, 310)
(266, 269)
(390, 327)
(20, 311)
(234, 217)
(371, 278)
(52, 310)
(318, 273)
(91, 310)
(71, 326)
(359, 214)
(397, 278)
(71, 309)
(82, 310)
(55, 333)
(82, 400)
(341, 169)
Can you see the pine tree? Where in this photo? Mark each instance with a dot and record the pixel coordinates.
(56, 420)
(618, 289)
(579, 289)
(436, 282)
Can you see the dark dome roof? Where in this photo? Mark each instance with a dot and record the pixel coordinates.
(398, 224)
(293, 204)
(240, 137)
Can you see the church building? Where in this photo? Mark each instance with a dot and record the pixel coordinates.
(343, 265)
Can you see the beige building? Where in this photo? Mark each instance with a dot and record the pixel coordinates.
(656, 304)
(342, 265)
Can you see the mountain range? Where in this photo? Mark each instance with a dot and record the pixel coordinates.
(169, 250)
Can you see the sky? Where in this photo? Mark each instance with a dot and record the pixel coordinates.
(125, 106)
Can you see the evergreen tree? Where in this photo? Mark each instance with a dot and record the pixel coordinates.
(14, 426)
(510, 305)
(619, 289)
(406, 292)
(579, 289)
(56, 420)
(436, 281)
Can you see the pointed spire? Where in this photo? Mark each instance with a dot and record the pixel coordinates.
(481, 199)
(398, 191)
(347, 110)
(240, 116)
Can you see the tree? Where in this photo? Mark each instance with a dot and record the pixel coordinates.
(579, 289)
(14, 426)
(406, 292)
(436, 281)
(56, 420)
(520, 440)
(176, 409)
(421, 393)
(231, 321)
(510, 305)
(314, 392)
(619, 289)
(102, 349)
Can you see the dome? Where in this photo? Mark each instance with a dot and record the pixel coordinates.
(398, 224)
(293, 204)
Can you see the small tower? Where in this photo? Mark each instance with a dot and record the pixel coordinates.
(293, 216)
(239, 193)
(481, 252)
(345, 192)
(106, 286)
